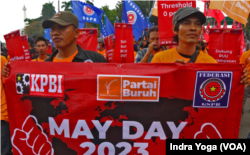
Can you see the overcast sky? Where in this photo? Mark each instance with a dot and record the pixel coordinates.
(12, 15)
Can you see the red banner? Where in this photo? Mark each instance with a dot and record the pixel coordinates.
(166, 10)
(25, 46)
(49, 50)
(108, 41)
(225, 44)
(124, 47)
(136, 106)
(88, 39)
(15, 45)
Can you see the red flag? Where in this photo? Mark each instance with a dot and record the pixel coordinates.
(206, 4)
(225, 23)
(215, 25)
(87, 39)
(235, 25)
(217, 14)
(124, 48)
(108, 41)
(206, 34)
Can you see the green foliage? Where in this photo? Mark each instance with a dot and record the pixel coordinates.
(111, 14)
(34, 29)
(32, 20)
(48, 11)
(67, 6)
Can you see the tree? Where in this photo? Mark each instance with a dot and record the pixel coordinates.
(111, 14)
(48, 11)
(32, 20)
(67, 6)
(34, 29)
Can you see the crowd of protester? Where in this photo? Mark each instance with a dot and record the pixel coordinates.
(146, 50)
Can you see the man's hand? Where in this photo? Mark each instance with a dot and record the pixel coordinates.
(182, 61)
(151, 47)
(244, 77)
(6, 70)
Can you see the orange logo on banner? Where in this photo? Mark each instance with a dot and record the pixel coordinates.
(237, 10)
(128, 88)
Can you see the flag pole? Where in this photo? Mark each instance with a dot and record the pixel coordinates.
(144, 33)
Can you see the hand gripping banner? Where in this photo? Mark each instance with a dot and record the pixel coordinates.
(166, 10)
(87, 39)
(225, 45)
(112, 108)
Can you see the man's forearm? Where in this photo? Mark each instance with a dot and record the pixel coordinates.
(145, 58)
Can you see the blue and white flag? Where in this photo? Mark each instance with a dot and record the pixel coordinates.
(103, 31)
(86, 12)
(117, 19)
(109, 28)
(47, 36)
(132, 14)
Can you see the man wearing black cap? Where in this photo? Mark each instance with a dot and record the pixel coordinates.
(101, 49)
(187, 25)
(64, 33)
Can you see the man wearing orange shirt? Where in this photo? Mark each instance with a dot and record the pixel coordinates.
(64, 33)
(5, 130)
(42, 47)
(187, 25)
(101, 49)
(245, 60)
(145, 55)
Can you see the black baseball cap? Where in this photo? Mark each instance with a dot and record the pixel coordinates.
(100, 40)
(187, 11)
(63, 18)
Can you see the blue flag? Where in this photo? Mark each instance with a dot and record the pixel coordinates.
(47, 36)
(132, 14)
(109, 28)
(86, 12)
(149, 23)
(103, 31)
